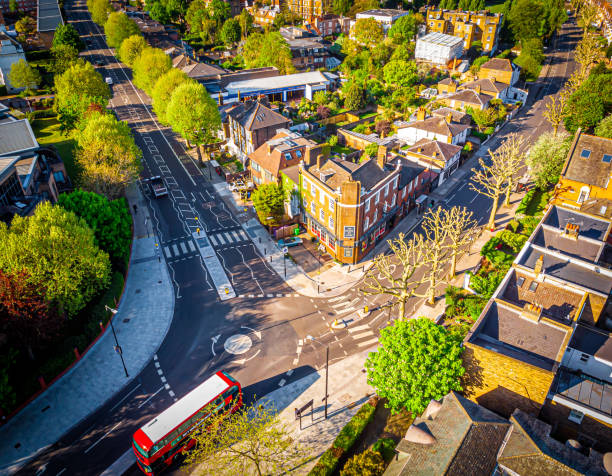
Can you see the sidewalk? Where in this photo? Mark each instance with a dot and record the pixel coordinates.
(144, 317)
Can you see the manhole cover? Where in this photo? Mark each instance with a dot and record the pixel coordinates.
(238, 344)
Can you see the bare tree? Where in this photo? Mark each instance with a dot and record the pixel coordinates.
(512, 159)
(461, 230)
(587, 15)
(555, 111)
(410, 256)
(437, 250)
(250, 441)
(588, 53)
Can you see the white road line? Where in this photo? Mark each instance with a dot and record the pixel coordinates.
(289, 372)
(127, 395)
(341, 312)
(175, 249)
(358, 328)
(160, 372)
(243, 235)
(219, 236)
(270, 295)
(191, 245)
(61, 472)
(150, 397)
(167, 252)
(228, 237)
(107, 433)
(336, 299)
(361, 335)
(475, 197)
(213, 240)
(367, 342)
(183, 247)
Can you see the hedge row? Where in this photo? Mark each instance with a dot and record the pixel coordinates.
(345, 439)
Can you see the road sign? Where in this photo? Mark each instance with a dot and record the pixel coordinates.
(285, 250)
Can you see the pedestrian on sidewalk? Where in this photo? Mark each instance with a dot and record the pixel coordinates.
(135, 209)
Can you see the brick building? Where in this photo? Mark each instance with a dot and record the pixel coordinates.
(307, 50)
(331, 24)
(480, 26)
(500, 69)
(309, 9)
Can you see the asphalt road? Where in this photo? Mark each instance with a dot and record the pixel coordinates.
(193, 348)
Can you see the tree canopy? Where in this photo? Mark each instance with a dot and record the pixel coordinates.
(110, 221)
(118, 27)
(269, 201)
(108, 155)
(588, 105)
(354, 98)
(267, 49)
(162, 92)
(546, 158)
(405, 28)
(63, 56)
(57, 251)
(149, 67)
(368, 31)
(131, 48)
(400, 73)
(231, 33)
(604, 128)
(67, 35)
(99, 10)
(416, 361)
(22, 75)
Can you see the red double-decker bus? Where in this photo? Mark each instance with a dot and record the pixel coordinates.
(158, 442)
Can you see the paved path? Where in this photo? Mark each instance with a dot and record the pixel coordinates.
(144, 316)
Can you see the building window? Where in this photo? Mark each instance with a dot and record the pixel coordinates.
(533, 286)
(349, 232)
(367, 206)
(313, 208)
(348, 252)
(322, 216)
(367, 223)
(584, 357)
(332, 204)
(59, 176)
(575, 416)
(584, 194)
(387, 190)
(331, 223)
(378, 197)
(520, 281)
(298, 154)
(607, 158)
(393, 200)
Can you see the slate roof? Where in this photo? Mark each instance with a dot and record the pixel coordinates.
(467, 439)
(500, 64)
(408, 171)
(470, 96)
(457, 116)
(486, 85)
(281, 144)
(195, 69)
(338, 171)
(530, 451)
(16, 136)
(592, 341)
(438, 125)
(253, 115)
(586, 163)
(590, 227)
(583, 390)
(442, 150)
(555, 240)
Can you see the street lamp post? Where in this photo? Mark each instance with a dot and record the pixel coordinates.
(311, 338)
(117, 346)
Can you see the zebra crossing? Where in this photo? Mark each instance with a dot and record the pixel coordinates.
(226, 238)
(363, 335)
(181, 248)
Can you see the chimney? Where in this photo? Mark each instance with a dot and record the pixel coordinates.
(320, 161)
(449, 117)
(270, 148)
(539, 265)
(381, 156)
(571, 231)
(421, 114)
(239, 95)
(220, 99)
(435, 154)
(492, 78)
(477, 89)
(533, 312)
(419, 150)
(308, 156)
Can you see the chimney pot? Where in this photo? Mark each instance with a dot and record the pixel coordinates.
(539, 265)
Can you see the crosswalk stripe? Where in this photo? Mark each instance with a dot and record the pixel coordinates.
(228, 237)
(336, 299)
(183, 247)
(219, 237)
(167, 252)
(175, 249)
(367, 342)
(213, 240)
(236, 236)
(361, 335)
(345, 311)
(358, 328)
(243, 235)
(191, 245)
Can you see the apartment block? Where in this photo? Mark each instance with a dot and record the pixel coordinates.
(480, 26)
(309, 9)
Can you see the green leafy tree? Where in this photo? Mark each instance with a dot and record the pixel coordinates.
(246, 21)
(22, 75)
(604, 128)
(400, 73)
(158, 12)
(148, 67)
(404, 29)
(110, 221)
(107, 154)
(75, 89)
(219, 11)
(525, 18)
(162, 92)
(67, 35)
(57, 251)
(99, 10)
(13, 6)
(250, 441)
(371, 150)
(478, 62)
(25, 25)
(197, 14)
(341, 7)
(587, 105)
(363, 5)
(484, 118)
(193, 114)
(546, 158)
(268, 49)
(131, 48)
(118, 27)
(230, 33)
(367, 31)
(354, 98)
(416, 361)
(368, 463)
(63, 56)
(269, 201)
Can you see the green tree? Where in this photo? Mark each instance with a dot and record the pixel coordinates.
(162, 92)
(13, 6)
(250, 441)
(246, 21)
(131, 48)
(525, 17)
(110, 221)
(57, 251)
(22, 75)
(63, 56)
(269, 201)
(158, 12)
(416, 361)
(341, 7)
(268, 49)
(197, 14)
(107, 154)
(230, 33)
(100, 10)
(404, 29)
(354, 98)
(25, 25)
(478, 62)
(118, 27)
(219, 11)
(368, 31)
(75, 89)
(604, 128)
(67, 35)
(368, 463)
(587, 105)
(546, 158)
(148, 67)
(371, 150)
(400, 73)
(193, 114)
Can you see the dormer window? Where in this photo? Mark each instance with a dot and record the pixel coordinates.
(607, 158)
(585, 154)
(298, 154)
(287, 156)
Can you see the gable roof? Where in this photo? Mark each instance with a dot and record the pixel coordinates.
(338, 171)
(272, 155)
(500, 64)
(435, 149)
(195, 69)
(457, 116)
(486, 85)
(16, 137)
(438, 125)
(253, 115)
(585, 162)
(471, 97)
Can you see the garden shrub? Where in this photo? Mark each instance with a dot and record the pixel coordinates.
(513, 226)
(386, 448)
(493, 254)
(514, 241)
(368, 463)
(460, 302)
(528, 224)
(485, 282)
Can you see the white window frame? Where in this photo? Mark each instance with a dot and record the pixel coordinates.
(331, 223)
(367, 205)
(350, 235)
(332, 204)
(322, 215)
(313, 208)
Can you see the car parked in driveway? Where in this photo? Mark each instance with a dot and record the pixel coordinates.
(289, 242)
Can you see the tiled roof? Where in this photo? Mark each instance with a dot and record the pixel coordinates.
(457, 116)
(196, 70)
(438, 125)
(500, 64)
(486, 85)
(254, 115)
(408, 171)
(16, 136)
(530, 450)
(338, 171)
(586, 162)
(435, 149)
(470, 96)
(272, 155)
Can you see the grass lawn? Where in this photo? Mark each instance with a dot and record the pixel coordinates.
(339, 149)
(495, 6)
(47, 131)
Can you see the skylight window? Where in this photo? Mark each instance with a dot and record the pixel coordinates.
(607, 158)
(585, 154)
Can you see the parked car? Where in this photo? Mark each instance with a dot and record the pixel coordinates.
(289, 242)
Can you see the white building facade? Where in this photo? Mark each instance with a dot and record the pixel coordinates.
(438, 48)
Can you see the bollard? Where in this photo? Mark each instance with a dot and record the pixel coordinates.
(226, 290)
(365, 309)
(101, 326)
(76, 353)
(41, 381)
